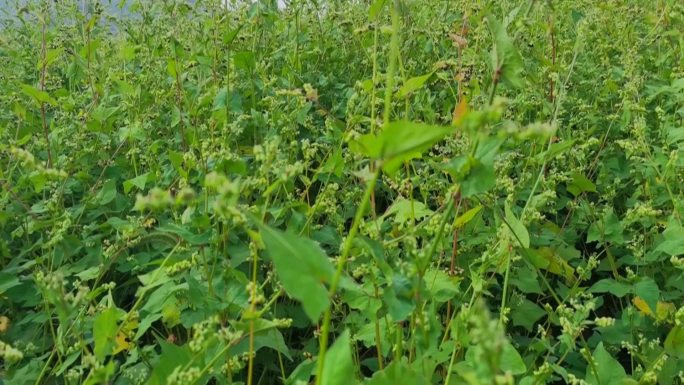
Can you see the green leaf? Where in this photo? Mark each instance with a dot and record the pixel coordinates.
(39, 180)
(171, 68)
(244, 60)
(517, 228)
(375, 9)
(673, 243)
(608, 229)
(366, 334)
(186, 233)
(675, 135)
(525, 278)
(480, 180)
(399, 307)
(266, 336)
(609, 370)
(175, 116)
(156, 301)
(88, 274)
(467, 216)
(8, 281)
(132, 133)
(302, 267)
(580, 184)
(608, 285)
(24, 375)
(107, 193)
(648, 290)
(38, 95)
(505, 57)
(301, 374)
(120, 224)
(413, 84)
(139, 182)
(225, 99)
(404, 209)
(398, 373)
(102, 118)
(172, 357)
(230, 34)
(527, 314)
(50, 57)
(440, 285)
(272, 339)
(511, 360)
(557, 148)
(674, 343)
(475, 174)
(176, 159)
(400, 141)
(104, 332)
(334, 164)
(339, 367)
(221, 99)
(669, 372)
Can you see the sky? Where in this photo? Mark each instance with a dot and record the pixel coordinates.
(7, 7)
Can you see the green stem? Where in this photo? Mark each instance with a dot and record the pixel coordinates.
(495, 83)
(375, 76)
(391, 69)
(325, 328)
(378, 347)
(451, 362)
(504, 295)
(253, 294)
(438, 238)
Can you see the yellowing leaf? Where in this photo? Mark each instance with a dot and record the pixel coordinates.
(664, 309)
(130, 325)
(459, 111)
(467, 216)
(4, 324)
(121, 343)
(555, 264)
(642, 306)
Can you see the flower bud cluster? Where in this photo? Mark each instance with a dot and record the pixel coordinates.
(181, 376)
(9, 354)
(158, 199)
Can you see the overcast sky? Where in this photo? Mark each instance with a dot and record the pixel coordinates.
(7, 7)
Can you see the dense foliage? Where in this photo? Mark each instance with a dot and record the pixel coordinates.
(379, 192)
